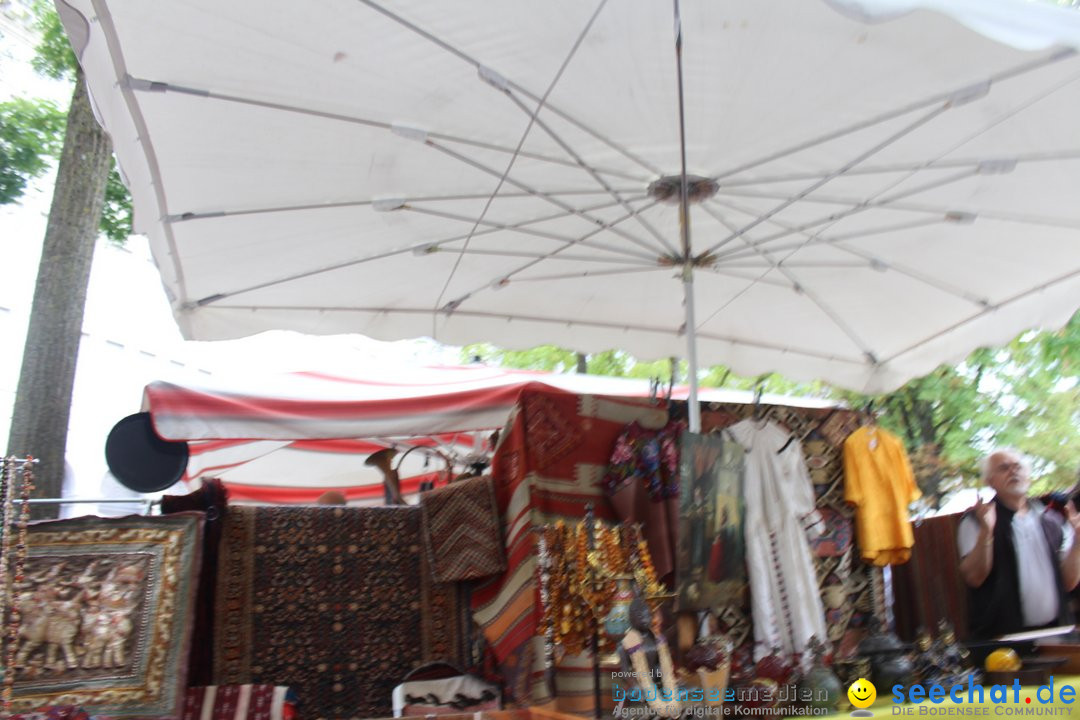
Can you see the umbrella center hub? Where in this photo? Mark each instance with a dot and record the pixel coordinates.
(668, 189)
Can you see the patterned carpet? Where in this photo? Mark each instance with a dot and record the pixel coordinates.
(461, 531)
(336, 603)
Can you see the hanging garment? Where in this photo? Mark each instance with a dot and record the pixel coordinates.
(642, 481)
(879, 482)
(780, 512)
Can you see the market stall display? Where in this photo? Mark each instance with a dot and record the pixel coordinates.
(549, 465)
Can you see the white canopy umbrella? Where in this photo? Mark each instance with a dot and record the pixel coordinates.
(875, 186)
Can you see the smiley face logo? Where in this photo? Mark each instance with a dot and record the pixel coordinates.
(862, 693)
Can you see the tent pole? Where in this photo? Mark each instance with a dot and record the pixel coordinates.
(687, 255)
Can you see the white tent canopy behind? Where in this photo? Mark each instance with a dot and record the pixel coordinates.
(289, 437)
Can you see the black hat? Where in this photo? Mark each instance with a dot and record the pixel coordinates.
(141, 460)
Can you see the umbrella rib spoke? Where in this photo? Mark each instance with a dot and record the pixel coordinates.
(915, 275)
(422, 248)
(760, 279)
(835, 317)
(526, 231)
(906, 167)
(537, 156)
(826, 200)
(539, 256)
(210, 215)
(930, 209)
(143, 85)
(554, 201)
(837, 320)
(503, 178)
(986, 166)
(593, 174)
(590, 273)
(818, 238)
(946, 97)
(510, 83)
(834, 265)
(799, 287)
(992, 307)
(742, 237)
(895, 137)
(873, 261)
(503, 279)
(836, 217)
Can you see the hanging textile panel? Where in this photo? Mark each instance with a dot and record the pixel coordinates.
(712, 568)
(107, 609)
(550, 464)
(845, 584)
(335, 602)
(210, 499)
(462, 533)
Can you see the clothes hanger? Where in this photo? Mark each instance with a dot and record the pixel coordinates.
(656, 386)
(759, 411)
(869, 421)
(868, 416)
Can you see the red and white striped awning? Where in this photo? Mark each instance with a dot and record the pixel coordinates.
(288, 438)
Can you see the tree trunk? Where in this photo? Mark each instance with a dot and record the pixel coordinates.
(582, 363)
(39, 425)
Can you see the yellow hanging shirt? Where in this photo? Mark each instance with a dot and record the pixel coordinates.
(879, 482)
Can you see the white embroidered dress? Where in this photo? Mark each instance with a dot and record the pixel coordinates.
(779, 497)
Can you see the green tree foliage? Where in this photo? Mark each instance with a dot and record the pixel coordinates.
(549, 358)
(1025, 395)
(546, 358)
(32, 131)
(1040, 395)
(54, 57)
(116, 214)
(30, 136)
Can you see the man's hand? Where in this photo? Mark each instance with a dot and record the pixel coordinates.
(986, 514)
(975, 567)
(1074, 519)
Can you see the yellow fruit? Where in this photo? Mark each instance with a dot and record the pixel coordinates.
(1003, 660)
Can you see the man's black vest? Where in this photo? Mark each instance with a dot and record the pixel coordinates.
(995, 605)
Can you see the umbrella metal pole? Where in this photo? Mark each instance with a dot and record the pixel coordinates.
(684, 226)
(691, 352)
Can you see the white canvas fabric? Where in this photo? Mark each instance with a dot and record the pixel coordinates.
(897, 178)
